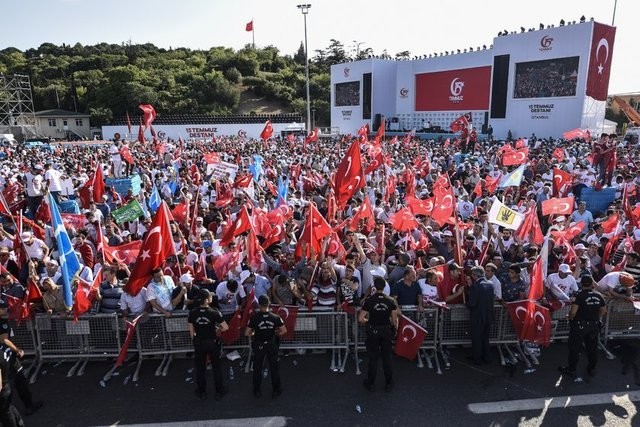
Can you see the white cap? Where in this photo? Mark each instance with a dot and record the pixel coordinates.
(579, 246)
(26, 235)
(561, 218)
(186, 278)
(447, 233)
(125, 233)
(244, 275)
(199, 218)
(564, 268)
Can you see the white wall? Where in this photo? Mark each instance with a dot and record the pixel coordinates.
(197, 132)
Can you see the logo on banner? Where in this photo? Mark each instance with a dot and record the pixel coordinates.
(162, 135)
(346, 114)
(455, 88)
(602, 43)
(242, 133)
(545, 43)
(404, 92)
(346, 71)
(506, 215)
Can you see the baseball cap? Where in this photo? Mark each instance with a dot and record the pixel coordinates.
(186, 278)
(564, 268)
(447, 233)
(579, 246)
(207, 244)
(126, 233)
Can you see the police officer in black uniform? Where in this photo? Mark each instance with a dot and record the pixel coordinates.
(9, 415)
(380, 314)
(480, 306)
(20, 381)
(585, 318)
(265, 328)
(205, 323)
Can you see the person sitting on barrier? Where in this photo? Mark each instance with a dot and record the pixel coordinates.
(133, 305)
(407, 291)
(52, 297)
(616, 285)
(230, 296)
(562, 285)
(191, 293)
(159, 293)
(205, 325)
(19, 379)
(110, 291)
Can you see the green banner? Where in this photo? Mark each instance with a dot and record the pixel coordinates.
(129, 212)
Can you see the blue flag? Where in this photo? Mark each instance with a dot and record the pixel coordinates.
(173, 186)
(283, 190)
(154, 200)
(256, 167)
(69, 263)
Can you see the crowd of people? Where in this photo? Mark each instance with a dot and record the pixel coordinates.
(428, 262)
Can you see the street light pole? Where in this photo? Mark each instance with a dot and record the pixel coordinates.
(613, 20)
(304, 8)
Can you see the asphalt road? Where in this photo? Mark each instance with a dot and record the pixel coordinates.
(315, 395)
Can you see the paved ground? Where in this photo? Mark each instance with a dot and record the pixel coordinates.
(314, 395)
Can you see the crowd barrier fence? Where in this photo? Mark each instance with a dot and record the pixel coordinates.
(101, 336)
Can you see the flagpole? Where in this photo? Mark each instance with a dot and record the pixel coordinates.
(253, 35)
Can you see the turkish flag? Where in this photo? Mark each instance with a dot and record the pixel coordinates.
(247, 311)
(515, 157)
(86, 295)
(576, 133)
(141, 133)
(530, 228)
(278, 233)
(609, 225)
(460, 123)
(43, 213)
(313, 136)
(126, 254)
(241, 225)
(409, 338)
(377, 161)
(267, 132)
(232, 334)
(531, 321)
(600, 61)
(363, 214)
(443, 207)
(254, 258)
(125, 152)
(403, 220)
(156, 248)
(364, 130)
(149, 114)
(289, 314)
(558, 154)
(349, 177)
(249, 26)
(131, 329)
(380, 132)
(315, 229)
(562, 182)
(419, 206)
(223, 264)
(17, 309)
(211, 157)
(93, 189)
(555, 206)
(335, 248)
(76, 221)
(128, 122)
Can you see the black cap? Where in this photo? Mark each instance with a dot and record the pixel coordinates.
(263, 300)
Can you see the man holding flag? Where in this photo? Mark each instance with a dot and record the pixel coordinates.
(380, 314)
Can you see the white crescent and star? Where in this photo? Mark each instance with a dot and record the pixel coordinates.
(412, 329)
(284, 310)
(602, 43)
(563, 207)
(450, 202)
(518, 309)
(154, 230)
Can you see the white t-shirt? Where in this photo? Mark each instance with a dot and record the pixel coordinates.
(568, 285)
(609, 282)
(34, 250)
(227, 299)
(53, 177)
(429, 292)
(34, 184)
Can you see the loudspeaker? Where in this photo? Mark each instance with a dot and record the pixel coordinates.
(376, 122)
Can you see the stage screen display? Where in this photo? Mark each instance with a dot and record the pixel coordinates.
(347, 94)
(550, 78)
(454, 90)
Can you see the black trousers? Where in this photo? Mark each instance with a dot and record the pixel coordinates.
(210, 348)
(9, 416)
(269, 351)
(480, 340)
(378, 346)
(583, 332)
(22, 387)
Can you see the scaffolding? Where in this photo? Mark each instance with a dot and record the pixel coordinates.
(16, 101)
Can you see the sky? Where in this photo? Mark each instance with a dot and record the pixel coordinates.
(419, 26)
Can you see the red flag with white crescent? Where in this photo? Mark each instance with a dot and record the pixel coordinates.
(289, 315)
(409, 338)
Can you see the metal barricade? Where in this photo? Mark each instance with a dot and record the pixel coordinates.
(62, 338)
(322, 330)
(622, 322)
(23, 335)
(560, 323)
